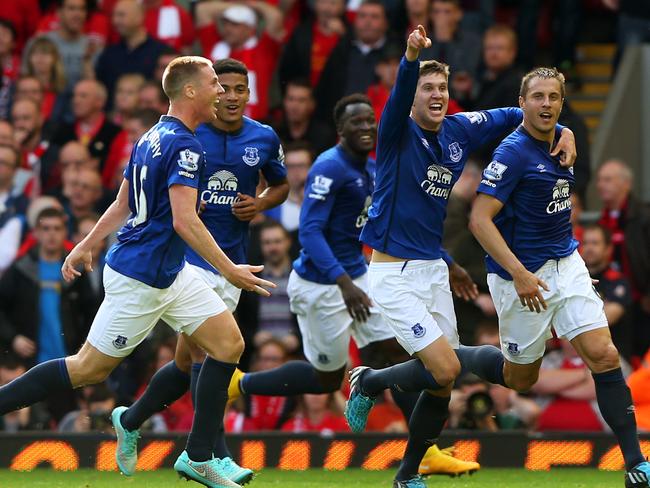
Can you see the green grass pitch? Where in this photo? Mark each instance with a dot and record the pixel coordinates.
(316, 478)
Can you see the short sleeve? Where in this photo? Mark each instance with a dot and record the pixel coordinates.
(185, 163)
(274, 170)
(502, 175)
(323, 181)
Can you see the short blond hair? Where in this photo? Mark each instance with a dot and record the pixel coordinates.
(544, 74)
(179, 72)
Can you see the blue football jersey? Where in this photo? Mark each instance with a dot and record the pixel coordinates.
(148, 249)
(536, 194)
(337, 196)
(232, 165)
(416, 170)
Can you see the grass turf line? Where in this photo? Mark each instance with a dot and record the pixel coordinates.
(317, 478)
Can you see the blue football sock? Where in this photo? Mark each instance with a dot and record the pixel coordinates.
(410, 376)
(220, 449)
(486, 362)
(211, 398)
(196, 369)
(292, 378)
(167, 385)
(615, 403)
(406, 401)
(40, 382)
(426, 423)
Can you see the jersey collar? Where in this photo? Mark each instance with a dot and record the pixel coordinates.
(171, 118)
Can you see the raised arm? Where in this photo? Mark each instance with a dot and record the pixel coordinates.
(398, 107)
(207, 13)
(273, 19)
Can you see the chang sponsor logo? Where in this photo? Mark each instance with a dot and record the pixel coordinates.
(561, 197)
(438, 182)
(222, 189)
(363, 216)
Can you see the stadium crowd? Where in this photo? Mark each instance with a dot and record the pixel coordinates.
(81, 82)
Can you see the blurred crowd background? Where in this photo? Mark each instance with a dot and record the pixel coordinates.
(81, 82)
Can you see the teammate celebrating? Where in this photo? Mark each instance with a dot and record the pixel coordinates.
(237, 149)
(145, 278)
(539, 279)
(421, 154)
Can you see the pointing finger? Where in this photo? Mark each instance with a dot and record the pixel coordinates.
(261, 291)
(267, 284)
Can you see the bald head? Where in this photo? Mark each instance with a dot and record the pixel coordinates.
(26, 116)
(75, 155)
(614, 183)
(88, 99)
(128, 18)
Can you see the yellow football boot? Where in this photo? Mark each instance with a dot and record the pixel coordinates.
(234, 392)
(442, 461)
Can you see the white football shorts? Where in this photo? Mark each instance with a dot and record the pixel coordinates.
(326, 325)
(415, 299)
(228, 292)
(131, 309)
(574, 307)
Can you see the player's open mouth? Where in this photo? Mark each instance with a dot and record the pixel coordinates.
(436, 107)
(367, 139)
(546, 116)
(232, 107)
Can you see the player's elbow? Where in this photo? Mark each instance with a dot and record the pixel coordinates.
(475, 222)
(181, 225)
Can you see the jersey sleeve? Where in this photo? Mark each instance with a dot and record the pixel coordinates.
(397, 110)
(323, 182)
(486, 125)
(502, 175)
(185, 160)
(274, 170)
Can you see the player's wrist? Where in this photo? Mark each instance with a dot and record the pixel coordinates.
(411, 54)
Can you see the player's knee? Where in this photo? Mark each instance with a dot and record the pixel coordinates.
(330, 381)
(521, 383)
(447, 374)
(604, 358)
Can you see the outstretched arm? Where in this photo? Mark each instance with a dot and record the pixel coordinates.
(111, 221)
(188, 225)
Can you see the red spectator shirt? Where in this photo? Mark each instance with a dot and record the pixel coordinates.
(321, 47)
(330, 423)
(24, 15)
(170, 24)
(265, 413)
(260, 55)
(97, 26)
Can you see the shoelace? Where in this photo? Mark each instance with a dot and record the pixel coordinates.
(130, 442)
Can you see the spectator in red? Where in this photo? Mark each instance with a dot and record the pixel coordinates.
(153, 97)
(76, 48)
(262, 412)
(613, 286)
(91, 127)
(23, 15)
(168, 22)
(318, 413)
(638, 382)
(386, 71)
(43, 62)
(127, 97)
(628, 220)
(351, 65)
(10, 64)
(298, 122)
(38, 155)
(134, 126)
(312, 42)
(97, 25)
(236, 37)
(566, 392)
(136, 52)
